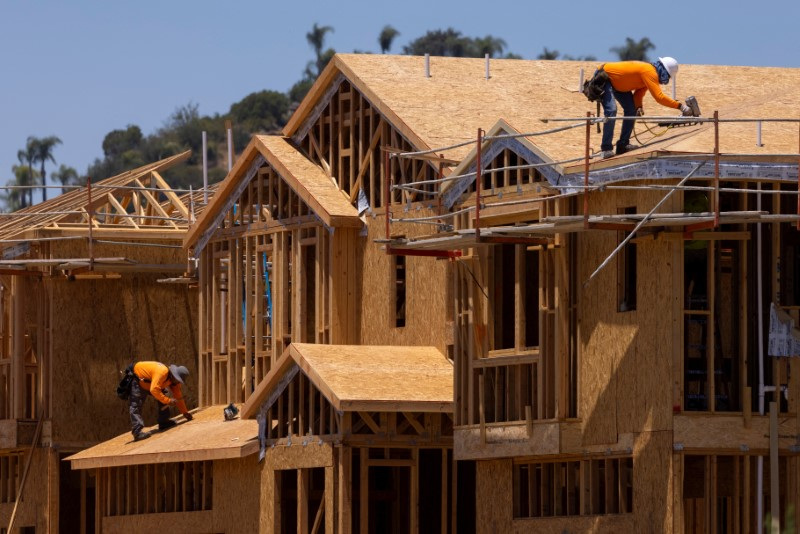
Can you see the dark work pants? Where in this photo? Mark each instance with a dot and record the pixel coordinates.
(136, 400)
(610, 110)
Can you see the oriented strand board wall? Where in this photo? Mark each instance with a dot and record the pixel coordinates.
(493, 511)
(33, 510)
(99, 326)
(626, 357)
(652, 482)
(427, 308)
(237, 488)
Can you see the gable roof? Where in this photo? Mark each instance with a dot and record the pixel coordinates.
(365, 377)
(457, 99)
(304, 177)
(207, 437)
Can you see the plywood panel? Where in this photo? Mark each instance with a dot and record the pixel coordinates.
(608, 523)
(99, 326)
(393, 378)
(652, 482)
(426, 282)
(179, 522)
(430, 113)
(303, 454)
(237, 487)
(208, 436)
(493, 496)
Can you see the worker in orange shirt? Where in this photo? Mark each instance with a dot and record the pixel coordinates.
(155, 378)
(628, 81)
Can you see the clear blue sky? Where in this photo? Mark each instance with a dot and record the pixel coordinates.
(79, 69)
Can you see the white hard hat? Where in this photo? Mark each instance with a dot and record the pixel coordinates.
(670, 64)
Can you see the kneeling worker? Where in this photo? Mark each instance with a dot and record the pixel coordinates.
(628, 81)
(153, 378)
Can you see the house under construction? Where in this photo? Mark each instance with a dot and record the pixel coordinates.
(80, 300)
(438, 310)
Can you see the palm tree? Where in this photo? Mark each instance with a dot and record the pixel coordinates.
(489, 45)
(634, 50)
(24, 178)
(548, 54)
(43, 152)
(67, 176)
(26, 157)
(316, 38)
(386, 37)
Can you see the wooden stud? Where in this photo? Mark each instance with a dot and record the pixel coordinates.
(414, 520)
(774, 468)
(364, 490)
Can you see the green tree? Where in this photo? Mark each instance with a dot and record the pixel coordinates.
(264, 111)
(451, 43)
(12, 199)
(299, 90)
(634, 50)
(316, 38)
(116, 142)
(42, 153)
(548, 54)
(24, 178)
(66, 176)
(26, 158)
(493, 46)
(386, 38)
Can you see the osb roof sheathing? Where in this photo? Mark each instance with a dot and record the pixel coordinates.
(457, 99)
(305, 178)
(367, 377)
(207, 437)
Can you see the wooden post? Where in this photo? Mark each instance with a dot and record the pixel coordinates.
(302, 501)
(443, 491)
(345, 490)
(414, 491)
(364, 489)
(480, 409)
(586, 172)
(18, 351)
(747, 407)
(774, 496)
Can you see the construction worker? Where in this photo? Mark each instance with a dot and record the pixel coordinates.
(154, 378)
(627, 82)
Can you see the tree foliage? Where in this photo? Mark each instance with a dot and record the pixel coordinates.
(66, 176)
(452, 43)
(634, 50)
(387, 37)
(117, 142)
(42, 153)
(264, 111)
(261, 111)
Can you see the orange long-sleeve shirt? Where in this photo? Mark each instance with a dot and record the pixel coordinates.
(153, 377)
(639, 77)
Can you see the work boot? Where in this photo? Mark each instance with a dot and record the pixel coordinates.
(626, 148)
(141, 435)
(167, 425)
(607, 154)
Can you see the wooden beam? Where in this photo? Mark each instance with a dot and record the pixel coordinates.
(414, 423)
(370, 422)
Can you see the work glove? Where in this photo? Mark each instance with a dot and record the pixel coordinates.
(640, 112)
(173, 402)
(686, 111)
(188, 416)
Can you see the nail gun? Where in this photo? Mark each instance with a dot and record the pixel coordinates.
(691, 101)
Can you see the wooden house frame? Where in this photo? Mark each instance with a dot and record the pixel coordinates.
(578, 394)
(79, 298)
(336, 420)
